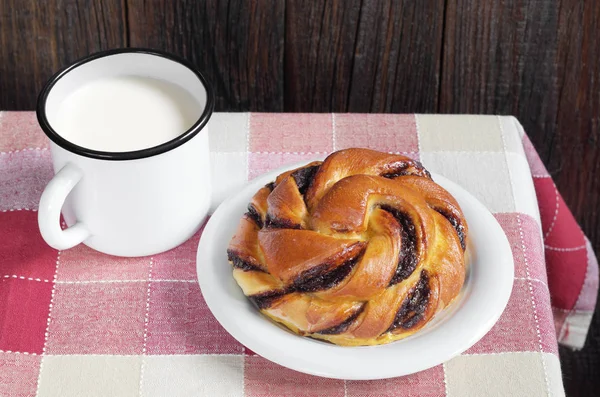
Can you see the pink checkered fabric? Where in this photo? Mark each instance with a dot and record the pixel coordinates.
(78, 322)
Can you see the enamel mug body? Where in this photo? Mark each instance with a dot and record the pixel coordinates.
(132, 203)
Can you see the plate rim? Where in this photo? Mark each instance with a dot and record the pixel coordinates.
(306, 366)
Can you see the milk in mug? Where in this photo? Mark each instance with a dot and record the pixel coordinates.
(125, 113)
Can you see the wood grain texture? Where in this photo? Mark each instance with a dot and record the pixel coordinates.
(39, 37)
(499, 58)
(320, 38)
(362, 56)
(397, 57)
(574, 159)
(237, 44)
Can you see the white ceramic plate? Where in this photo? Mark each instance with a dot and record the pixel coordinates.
(481, 302)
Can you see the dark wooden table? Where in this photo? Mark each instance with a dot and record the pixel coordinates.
(537, 60)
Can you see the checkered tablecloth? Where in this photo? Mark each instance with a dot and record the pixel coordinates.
(80, 323)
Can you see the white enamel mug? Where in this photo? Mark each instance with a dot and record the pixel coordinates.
(133, 203)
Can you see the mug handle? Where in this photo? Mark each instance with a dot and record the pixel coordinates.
(51, 202)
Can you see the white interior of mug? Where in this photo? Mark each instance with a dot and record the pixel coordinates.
(125, 64)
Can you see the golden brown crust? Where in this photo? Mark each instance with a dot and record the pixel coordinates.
(289, 253)
(361, 249)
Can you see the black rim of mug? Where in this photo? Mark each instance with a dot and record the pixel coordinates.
(131, 155)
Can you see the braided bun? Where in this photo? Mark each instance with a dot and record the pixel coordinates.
(360, 249)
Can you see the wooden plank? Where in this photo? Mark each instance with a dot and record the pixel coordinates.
(320, 38)
(397, 57)
(576, 159)
(499, 57)
(238, 44)
(39, 37)
(362, 56)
